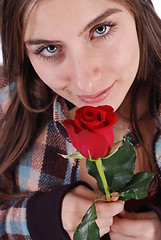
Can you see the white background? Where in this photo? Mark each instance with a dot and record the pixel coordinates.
(157, 5)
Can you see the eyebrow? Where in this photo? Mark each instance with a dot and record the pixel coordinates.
(40, 41)
(99, 18)
(96, 20)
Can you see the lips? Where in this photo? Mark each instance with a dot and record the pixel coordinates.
(98, 97)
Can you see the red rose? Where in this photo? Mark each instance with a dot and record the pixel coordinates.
(91, 130)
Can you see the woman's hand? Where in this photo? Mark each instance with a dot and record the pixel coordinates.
(139, 226)
(76, 203)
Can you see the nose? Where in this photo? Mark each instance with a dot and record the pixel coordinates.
(86, 73)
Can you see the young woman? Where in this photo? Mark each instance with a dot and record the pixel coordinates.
(58, 56)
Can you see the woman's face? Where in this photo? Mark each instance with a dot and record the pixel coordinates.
(87, 51)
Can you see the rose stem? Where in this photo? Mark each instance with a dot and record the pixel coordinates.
(102, 175)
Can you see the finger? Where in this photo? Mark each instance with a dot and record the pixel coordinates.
(135, 228)
(109, 208)
(114, 196)
(104, 225)
(104, 209)
(125, 227)
(116, 236)
(105, 213)
(87, 193)
(103, 231)
(138, 216)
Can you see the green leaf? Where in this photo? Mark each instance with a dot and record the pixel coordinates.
(114, 149)
(118, 168)
(75, 155)
(88, 229)
(137, 187)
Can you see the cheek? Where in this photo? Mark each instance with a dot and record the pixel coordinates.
(123, 57)
(48, 74)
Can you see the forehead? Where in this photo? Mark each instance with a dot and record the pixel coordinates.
(49, 16)
(68, 6)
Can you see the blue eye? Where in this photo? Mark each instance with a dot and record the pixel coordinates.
(101, 31)
(50, 50)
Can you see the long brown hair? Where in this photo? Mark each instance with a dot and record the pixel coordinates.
(30, 106)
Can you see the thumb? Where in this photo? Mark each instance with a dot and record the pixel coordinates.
(87, 193)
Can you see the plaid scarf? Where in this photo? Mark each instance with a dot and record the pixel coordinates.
(40, 169)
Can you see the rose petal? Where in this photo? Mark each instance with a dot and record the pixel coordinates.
(111, 116)
(90, 118)
(85, 141)
(92, 130)
(80, 116)
(93, 143)
(90, 126)
(68, 123)
(107, 132)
